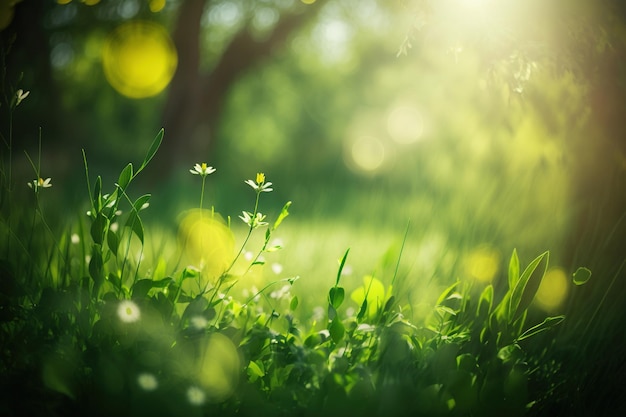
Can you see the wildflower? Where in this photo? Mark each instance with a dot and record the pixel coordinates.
(20, 95)
(195, 396)
(128, 311)
(260, 186)
(40, 183)
(255, 221)
(202, 169)
(147, 381)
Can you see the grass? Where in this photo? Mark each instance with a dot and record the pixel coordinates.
(111, 317)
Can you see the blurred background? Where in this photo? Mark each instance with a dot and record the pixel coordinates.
(475, 126)
(483, 125)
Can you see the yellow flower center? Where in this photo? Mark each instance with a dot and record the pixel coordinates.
(203, 166)
(260, 178)
(40, 182)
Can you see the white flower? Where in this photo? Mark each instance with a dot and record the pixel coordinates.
(195, 395)
(75, 239)
(128, 311)
(260, 186)
(40, 183)
(147, 381)
(255, 221)
(202, 169)
(20, 95)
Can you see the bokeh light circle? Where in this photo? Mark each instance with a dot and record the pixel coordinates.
(482, 264)
(553, 289)
(405, 125)
(367, 153)
(219, 367)
(139, 59)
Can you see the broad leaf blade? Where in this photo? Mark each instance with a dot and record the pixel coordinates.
(283, 214)
(513, 270)
(136, 225)
(154, 147)
(581, 276)
(125, 176)
(336, 296)
(341, 265)
(547, 324)
(113, 241)
(138, 204)
(527, 286)
(336, 330)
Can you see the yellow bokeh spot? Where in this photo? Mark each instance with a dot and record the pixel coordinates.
(64, 1)
(367, 153)
(207, 243)
(308, 1)
(219, 367)
(482, 264)
(553, 289)
(156, 5)
(375, 291)
(405, 125)
(91, 2)
(139, 59)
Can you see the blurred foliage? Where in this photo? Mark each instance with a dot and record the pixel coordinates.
(488, 124)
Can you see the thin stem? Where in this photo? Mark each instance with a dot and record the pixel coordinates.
(250, 229)
(202, 192)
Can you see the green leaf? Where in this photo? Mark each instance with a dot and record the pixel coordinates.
(294, 303)
(527, 286)
(160, 269)
(581, 276)
(336, 330)
(114, 279)
(283, 213)
(336, 296)
(97, 195)
(125, 176)
(136, 225)
(548, 323)
(141, 288)
(362, 310)
(445, 293)
(485, 302)
(511, 353)
(98, 228)
(513, 270)
(154, 147)
(113, 241)
(95, 265)
(389, 304)
(443, 309)
(341, 265)
(255, 370)
(138, 204)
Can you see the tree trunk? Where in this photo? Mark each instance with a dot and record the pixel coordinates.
(195, 100)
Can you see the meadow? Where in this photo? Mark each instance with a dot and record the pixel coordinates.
(111, 316)
(312, 208)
